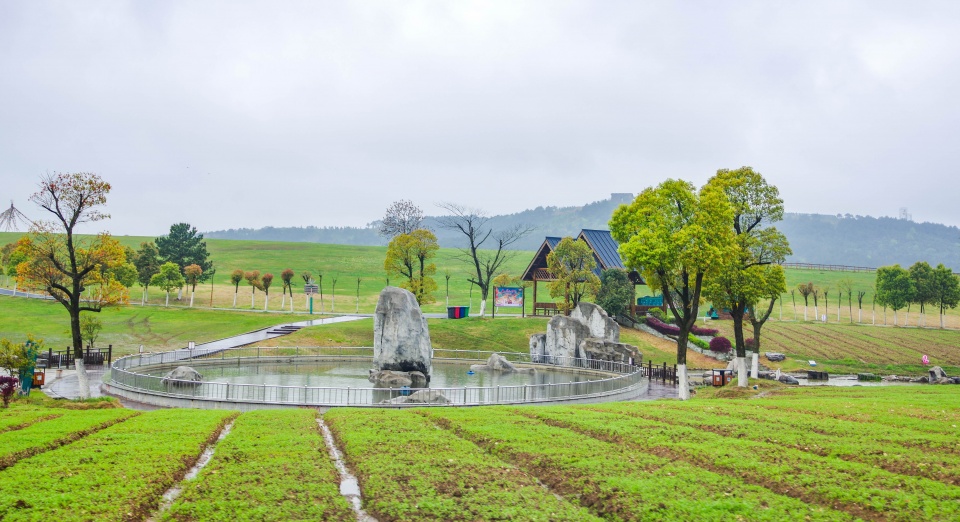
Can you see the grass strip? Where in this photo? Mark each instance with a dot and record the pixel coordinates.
(410, 469)
(615, 481)
(272, 466)
(17, 420)
(119, 473)
(856, 488)
(66, 428)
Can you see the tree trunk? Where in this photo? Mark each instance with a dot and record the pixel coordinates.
(737, 312)
(252, 294)
(143, 297)
(804, 312)
(83, 380)
(283, 301)
(941, 320)
(179, 293)
(683, 388)
(235, 292)
(167, 303)
(191, 297)
(266, 302)
(755, 366)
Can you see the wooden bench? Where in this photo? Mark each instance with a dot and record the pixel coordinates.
(545, 309)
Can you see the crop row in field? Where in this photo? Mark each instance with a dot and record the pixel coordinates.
(57, 431)
(272, 466)
(927, 455)
(858, 489)
(410, 469)
(115, 474)
(615, 481)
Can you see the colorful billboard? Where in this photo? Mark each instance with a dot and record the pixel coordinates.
(506, 296)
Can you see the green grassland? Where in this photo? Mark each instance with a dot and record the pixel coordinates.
(880, 453)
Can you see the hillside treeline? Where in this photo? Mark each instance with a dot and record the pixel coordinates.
(814, 238)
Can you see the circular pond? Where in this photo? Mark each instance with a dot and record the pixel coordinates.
(263, 377)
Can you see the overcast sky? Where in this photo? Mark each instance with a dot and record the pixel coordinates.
(251, 114)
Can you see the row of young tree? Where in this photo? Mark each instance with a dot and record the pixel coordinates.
(896, 288)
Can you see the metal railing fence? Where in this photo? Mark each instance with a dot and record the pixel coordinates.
(623, 378)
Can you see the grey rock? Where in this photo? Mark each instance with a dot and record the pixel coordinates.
(600, 324)
(401, 339)
(944, 380)
(395, 379)
(182, 376)
(499, 363)
(419, 397)
(788, 379)
(538, 347)
(601, 350)
(956, 380)
(937, 373)
(774, 356)
(564, 335)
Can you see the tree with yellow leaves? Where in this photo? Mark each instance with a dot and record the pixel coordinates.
(407, 256)
(76, 272)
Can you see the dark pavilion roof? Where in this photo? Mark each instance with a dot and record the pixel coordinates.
(605, 253)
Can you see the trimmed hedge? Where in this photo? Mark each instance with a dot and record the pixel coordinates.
(669, 329)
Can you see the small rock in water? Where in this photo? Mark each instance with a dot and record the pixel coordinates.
(775, 357)
(788, 379)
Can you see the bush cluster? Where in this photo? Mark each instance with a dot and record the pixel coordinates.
(750, 343)
(720, 345)
(668, 329)
(698, 342)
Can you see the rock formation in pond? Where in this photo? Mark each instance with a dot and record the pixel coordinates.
(182, 376)
(588, 333)
(392, 379)
(499, 363)
(419, 397)
(401, 340)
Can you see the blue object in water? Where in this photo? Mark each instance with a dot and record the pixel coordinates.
(404, 390)
(812, 363)
(469, 372)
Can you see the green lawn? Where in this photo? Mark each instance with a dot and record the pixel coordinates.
(781, 453)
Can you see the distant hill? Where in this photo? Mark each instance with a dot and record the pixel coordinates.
(814, 238)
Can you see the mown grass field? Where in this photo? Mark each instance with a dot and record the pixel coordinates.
(881, 453)
(348, 263)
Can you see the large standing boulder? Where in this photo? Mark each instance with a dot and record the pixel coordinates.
(937, 373)
(601, 325)
(564, 335)
(401, 340)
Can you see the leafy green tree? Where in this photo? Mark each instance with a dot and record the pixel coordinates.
(147, 261)
(184, 246)
(894, 288)
(192, 274)
(236, 277)
(125, 274)
(408, 256)
(90, 327)
(756, 206)
(616, 291)
(946, 290)
(265, 283)
(572, 264)
(770, 285)
(168, 278)
(253, 279)
(677, 237)
(921, 274)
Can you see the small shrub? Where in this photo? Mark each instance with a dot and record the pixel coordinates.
(698, 342)
(658, 313)
(8, 385)
(720, 345)
(751, 344)
(660, 326)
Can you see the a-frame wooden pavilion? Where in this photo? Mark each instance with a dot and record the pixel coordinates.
(605, 253)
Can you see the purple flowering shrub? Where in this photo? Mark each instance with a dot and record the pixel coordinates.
(8, 385)
(669, 329)
(720, 345)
